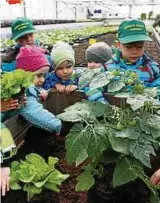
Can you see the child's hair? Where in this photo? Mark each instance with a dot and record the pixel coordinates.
(62, 52)
(132, 30)
(99, 52)
(31, 59)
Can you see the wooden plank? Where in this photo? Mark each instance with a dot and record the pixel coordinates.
(16, 124)
(119, 102)
(57, 101)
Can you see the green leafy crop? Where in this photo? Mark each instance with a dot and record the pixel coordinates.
(33, 174)
(106, 134)
(14, 82)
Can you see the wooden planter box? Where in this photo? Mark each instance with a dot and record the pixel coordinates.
(55, 103)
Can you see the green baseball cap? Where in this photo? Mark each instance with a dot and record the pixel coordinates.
(132, 31)
(21, 26)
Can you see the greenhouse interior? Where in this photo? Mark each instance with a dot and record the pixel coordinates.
(80, 101)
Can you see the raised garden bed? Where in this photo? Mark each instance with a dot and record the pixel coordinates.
(50, 145)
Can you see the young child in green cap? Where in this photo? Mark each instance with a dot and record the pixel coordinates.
(132, 35)
(23, 33)
(62, 78)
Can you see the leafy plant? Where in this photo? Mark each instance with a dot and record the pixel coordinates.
(105, 134)
(14, 82)
(157, 21)
(150, 15)
(33, 174)
(49, 38)
(126, 83)
(143, 16)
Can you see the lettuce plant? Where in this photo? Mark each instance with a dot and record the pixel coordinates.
(105, 134)
(13, 83)
(34, 174)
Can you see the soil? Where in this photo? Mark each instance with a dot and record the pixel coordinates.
(47, 144)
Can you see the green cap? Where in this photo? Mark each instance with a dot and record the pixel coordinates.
(132, 31)
(21, 26)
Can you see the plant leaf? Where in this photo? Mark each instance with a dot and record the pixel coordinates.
(85, 181)
(76, 148)
(124, 171)
(51, 186)
(99, 80)
(115, 86)
(119, 144)
(141, 150)
(31, 190)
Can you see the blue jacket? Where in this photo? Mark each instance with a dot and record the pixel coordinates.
(52, 79)
(35, 113)
(9, 63)
(147, 70)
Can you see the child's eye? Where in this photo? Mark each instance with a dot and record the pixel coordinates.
(60, 68)
(69, 66)
(128, 47)
(40, 75)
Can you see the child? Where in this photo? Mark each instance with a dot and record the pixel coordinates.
(8, 147)
(98, 54)
(23, 33)
(34, 60)
(62, 79)
(132, 36)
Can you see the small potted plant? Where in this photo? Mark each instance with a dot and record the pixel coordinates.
(13, 84)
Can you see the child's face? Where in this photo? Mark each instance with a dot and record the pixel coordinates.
(132, 51)
(64, 70)
(40, 76)
(93, 65)
(27, 39)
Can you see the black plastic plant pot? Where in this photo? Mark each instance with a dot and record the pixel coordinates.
(20, 97)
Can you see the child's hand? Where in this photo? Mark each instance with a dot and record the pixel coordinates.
(9, 105)
(60, 88)
(155, 179)
(44, 94)
(70, 88)
(5, 172)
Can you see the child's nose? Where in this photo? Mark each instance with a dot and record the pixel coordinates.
(65, 70)
(134, 50)
(42, 79)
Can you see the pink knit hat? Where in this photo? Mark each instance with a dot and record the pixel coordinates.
(31, 59)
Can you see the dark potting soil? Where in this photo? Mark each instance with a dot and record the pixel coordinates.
(47, 144)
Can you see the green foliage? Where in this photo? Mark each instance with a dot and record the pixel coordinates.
(108, 134)
(14, 82)
(143, 16)
(115, 82)
(157, 21)
(33, 174)
(150, 15)
(49, 38)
